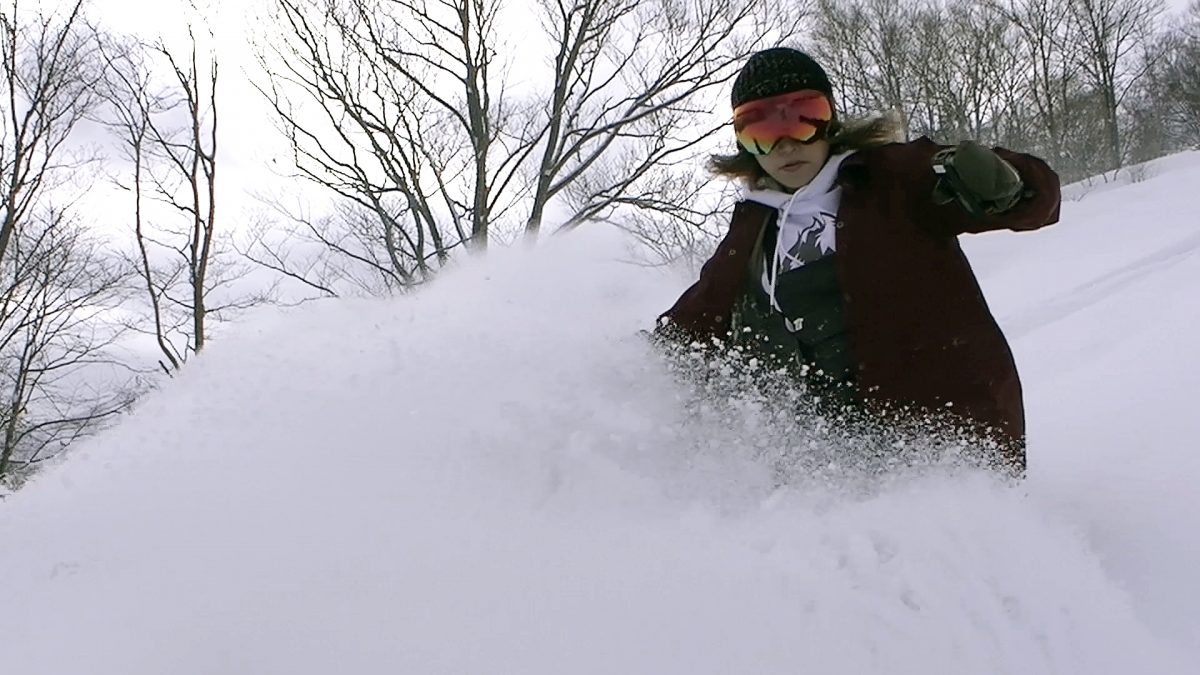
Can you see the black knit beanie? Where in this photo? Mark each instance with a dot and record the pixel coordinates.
(776, 71)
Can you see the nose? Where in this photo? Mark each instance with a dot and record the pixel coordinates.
(786, 146)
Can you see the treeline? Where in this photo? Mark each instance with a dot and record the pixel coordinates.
(1091, 85)
(431, 129)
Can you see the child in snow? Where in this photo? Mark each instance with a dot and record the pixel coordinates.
(842, 262)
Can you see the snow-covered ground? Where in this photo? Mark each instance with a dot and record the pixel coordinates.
(494, 477)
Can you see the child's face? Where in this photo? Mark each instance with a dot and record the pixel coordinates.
(792, 164)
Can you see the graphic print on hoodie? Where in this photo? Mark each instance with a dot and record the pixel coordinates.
(813, 241)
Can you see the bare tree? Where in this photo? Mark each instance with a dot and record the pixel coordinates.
(633, 83)
(869, 48)
(163, 107)
(455, 42)
(413, 131)
(56, 284)
(49, 74)
(1177, 80)
(132, 106)
(1110, 38)
(58, 376)
(1049, 73)
(361, 126)
(966, 66)
(192, 160)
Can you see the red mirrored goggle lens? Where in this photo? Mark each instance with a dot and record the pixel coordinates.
(801, 116)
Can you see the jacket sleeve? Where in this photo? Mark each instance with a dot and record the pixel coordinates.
(703, 311)
(1038, 207)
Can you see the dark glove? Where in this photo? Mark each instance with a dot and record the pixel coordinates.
(979, 179)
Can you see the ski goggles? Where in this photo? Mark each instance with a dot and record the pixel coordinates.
(802, 116)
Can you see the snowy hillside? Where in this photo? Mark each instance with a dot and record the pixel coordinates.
(494, 477)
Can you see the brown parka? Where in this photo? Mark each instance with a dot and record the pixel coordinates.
(920, 331)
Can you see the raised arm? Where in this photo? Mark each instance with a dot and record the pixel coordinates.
(968, 188)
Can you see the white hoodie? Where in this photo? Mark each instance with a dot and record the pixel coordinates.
(807, 223)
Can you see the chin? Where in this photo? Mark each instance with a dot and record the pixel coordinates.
(796, 183)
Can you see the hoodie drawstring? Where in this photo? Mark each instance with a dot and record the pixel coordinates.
(778, 255)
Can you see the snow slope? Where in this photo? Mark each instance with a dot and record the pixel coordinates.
(493, 476)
